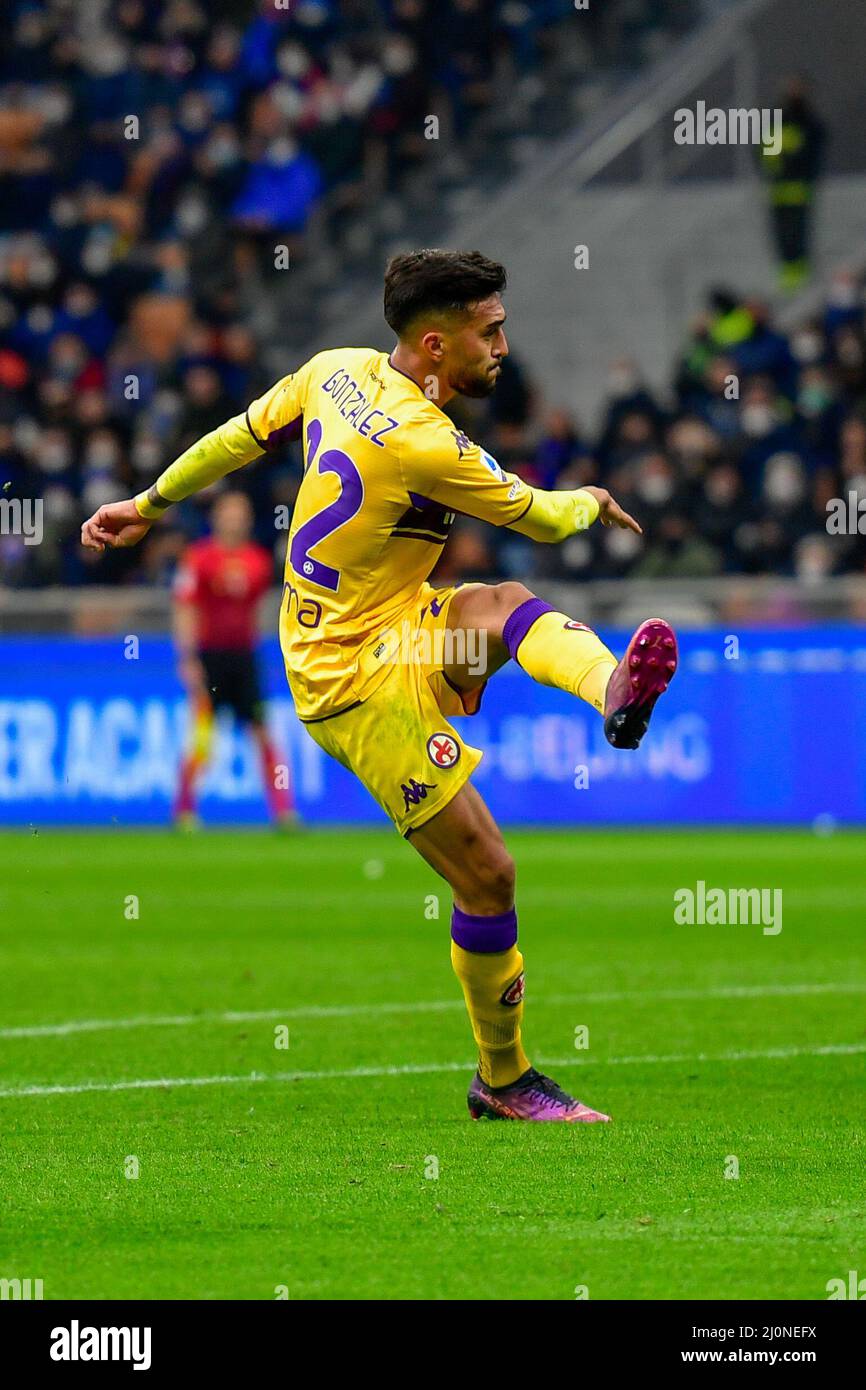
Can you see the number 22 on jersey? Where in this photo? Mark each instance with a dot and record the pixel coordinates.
(331, 517)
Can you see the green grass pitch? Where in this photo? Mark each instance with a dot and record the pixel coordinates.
(314, 1168)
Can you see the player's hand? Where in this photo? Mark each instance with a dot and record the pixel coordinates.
(118, 524)
(611, 513)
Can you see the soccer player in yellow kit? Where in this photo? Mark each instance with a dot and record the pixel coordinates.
(385, 472)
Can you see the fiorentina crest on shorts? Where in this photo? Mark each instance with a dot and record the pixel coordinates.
(579, 627)
(443, 750)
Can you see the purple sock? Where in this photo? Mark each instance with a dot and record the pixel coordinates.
(484, 935)
(520, 621)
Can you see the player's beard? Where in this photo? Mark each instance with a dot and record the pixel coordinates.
(478, 385)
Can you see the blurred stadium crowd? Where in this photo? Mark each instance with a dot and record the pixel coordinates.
(729, 470)
(131, 275)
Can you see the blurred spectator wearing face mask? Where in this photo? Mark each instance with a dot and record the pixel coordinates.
(853, 479)
(844, 308)
(678, 552)
(631, 437)
(809, 343)
(626, 394)
(813, 559)
(852, 444)
(722, 511)
(767, 427)
(656, 490)
(558, 445)
(785, 505)
(204, 409)
(280, 189)
(819, 411)
(848, 350)
(718, 400)
(692, 446)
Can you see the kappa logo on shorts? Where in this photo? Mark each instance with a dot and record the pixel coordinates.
(515, 992)
(443, 750)
(415, 792)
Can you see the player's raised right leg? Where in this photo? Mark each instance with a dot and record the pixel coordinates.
(556, 650)
(463, 844)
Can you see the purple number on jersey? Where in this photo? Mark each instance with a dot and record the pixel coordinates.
(336, 514)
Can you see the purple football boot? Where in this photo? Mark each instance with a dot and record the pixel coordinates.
(643, 675)
(531, 1097)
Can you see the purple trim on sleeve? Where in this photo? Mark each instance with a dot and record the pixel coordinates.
(284, 434)
(261, 443)
(520, 621)
(484, 935)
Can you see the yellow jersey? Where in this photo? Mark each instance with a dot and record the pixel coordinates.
(385, 472)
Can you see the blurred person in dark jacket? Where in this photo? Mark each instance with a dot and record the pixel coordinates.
(792, 176)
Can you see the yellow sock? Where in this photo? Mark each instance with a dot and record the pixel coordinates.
(486, 978)
(556, 651)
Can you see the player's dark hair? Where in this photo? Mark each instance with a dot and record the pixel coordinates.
(424, 282)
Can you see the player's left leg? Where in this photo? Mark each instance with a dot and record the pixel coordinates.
(556, 650)
(462, 842)
(399, 743)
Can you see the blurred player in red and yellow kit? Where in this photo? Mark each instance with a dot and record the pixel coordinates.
(386, 471)
(219, 585)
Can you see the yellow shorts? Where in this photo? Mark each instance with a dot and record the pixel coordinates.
(398, 741)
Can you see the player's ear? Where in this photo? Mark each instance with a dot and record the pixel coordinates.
(433, 344)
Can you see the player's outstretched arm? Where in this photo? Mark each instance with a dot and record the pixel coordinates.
(121, 524)
(269, 419)
(440, 462)
(554, 516)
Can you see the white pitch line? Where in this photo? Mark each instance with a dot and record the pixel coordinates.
(422, 1069)
(99, 1025)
